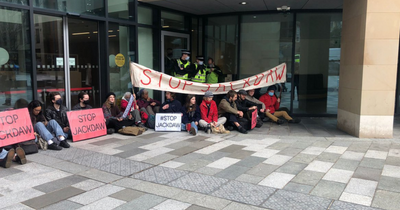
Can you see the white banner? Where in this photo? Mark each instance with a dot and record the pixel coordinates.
(144, 77)
(168, 122)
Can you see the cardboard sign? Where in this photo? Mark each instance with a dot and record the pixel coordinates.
(144, 77)
(15, 127)
(86, 124)
(253, 119)
(168, 122)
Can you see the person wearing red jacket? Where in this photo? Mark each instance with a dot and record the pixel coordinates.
(209, 112)
(134, 112)
(272, 105)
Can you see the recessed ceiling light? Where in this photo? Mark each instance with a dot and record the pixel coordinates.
(243, 3)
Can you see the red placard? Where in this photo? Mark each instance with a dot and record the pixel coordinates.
(15, 127)
(253, 119)
(86, 124)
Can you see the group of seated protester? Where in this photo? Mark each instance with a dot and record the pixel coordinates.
(234, 112)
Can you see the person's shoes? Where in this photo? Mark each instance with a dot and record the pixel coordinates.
(54, 146)
(294, 121)
(229, 128)
(110, 130)
(20, 158)
(266, 119)
(242, 130)
(208, 129)
(6, 162)
(64, 144)
(141, 125)
(280, 122)
(193, 131)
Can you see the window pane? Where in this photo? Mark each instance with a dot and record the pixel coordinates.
(173, 21)
(88, 7)
(221, 41)
(274, 31)
(121, 41)
(123, 9)
(195, 38)
(23, 2)
(15, 58)
(317, 59)
(145, 15)
(145, 50)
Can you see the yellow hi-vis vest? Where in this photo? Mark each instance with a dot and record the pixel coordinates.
(179, 76)
(200, 77)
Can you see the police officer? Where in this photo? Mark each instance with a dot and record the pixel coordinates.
(182, 69)
(200, 70)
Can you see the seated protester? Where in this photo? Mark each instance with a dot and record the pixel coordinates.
(250, 97)
(134, 108)
(113, 115)
(190, 114)
(170, 105)
(83, 102)
(247, 107)
(45, 128)
(58, 112)
(228, 108)
(272, 105)
(15, 155)
(209, 113)
(147, 104)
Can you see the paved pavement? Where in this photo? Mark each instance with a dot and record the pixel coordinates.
(311, 165)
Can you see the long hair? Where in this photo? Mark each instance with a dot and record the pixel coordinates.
(107, 103)
(188, 106)
(31, 106)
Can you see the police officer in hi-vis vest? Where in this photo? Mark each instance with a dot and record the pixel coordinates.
(182, 69)
(200, 70)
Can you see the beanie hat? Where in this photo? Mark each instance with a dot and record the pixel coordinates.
(271, 88)
(109, 94)
(208, 94)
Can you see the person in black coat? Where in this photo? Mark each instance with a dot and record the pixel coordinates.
(247, 107)
(58, 112)
(170, 105)
(190, 114)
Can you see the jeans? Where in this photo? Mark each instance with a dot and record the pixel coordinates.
(46, 132)
(192, 124)
(3, 153)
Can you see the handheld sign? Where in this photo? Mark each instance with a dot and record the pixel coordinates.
(168, 122)
(253, 119)
(15, 127)
(86, 124)
(128, 108)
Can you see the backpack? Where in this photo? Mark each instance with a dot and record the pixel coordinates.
(151, 121)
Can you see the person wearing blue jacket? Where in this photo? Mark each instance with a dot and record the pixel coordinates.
(170, 105)
(190, 114)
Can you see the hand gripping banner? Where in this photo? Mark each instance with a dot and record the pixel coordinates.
(144, 77)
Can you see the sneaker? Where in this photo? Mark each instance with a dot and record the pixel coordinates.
(280, 122)
(294, 121)
(110, 130)
(6, 162)
(20, 158)
(54, 146)
(242, 130)
(64, 144)
(192, 131)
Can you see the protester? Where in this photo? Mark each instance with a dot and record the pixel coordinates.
(83, 102)
(228, 109)
(250, 97)
(58, 112)
(248, 107)
(170, 105)
(45, 128)
(113, 116)
(190, 115)
(209, 114)
(272, 105)
(147, 104)
(134, 108)
(12, 155)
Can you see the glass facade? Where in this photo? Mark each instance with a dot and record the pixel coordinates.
(171, 20)
(145, 15)
(123, 9)
(78, 7)
(23, 2)
(15, 57)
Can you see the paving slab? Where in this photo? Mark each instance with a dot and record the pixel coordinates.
(53, 197)
(287, 200)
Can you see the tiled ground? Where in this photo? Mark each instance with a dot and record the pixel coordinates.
(311, 165)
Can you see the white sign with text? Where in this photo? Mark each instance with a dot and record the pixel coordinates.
(168, 122)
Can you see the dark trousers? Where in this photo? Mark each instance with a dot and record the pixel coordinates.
(114, 123)
(232, 118)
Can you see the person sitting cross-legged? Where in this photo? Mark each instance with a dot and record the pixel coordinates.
(190, 114)
(134, 108)
(228, 108)
(209, 114)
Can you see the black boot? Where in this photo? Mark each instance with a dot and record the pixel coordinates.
(242, 130)
(294, 121)
(110, 130)
(64, 144)
(6, 162)
(54, 146)
(7, 102)
(280, 122)
(208, 129)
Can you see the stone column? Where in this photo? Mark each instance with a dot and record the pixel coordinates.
(368, 68)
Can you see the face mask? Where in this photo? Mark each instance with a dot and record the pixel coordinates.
(270, 93)
(59, 101)
(187, 58)
(201, 62)
(86, 102)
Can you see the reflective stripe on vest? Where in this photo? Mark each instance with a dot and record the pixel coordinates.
(179, 76)
(200, 77)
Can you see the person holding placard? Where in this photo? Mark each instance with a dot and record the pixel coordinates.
(209, 115)
(228, 108)
(134, 108)
(190, 115)
(45, 128)
(83, 104)
(113, 116)
(58, 112)
(247, 107)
